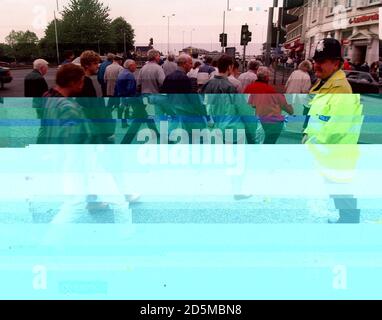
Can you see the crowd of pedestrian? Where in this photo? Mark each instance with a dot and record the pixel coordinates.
(184, 92)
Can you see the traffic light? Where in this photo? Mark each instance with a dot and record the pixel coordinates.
(281, 36)
(286, 18)
(151, 42)
(223, 39)
(246, 35)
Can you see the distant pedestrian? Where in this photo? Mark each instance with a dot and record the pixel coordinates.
(250, 76)
(68, 56)
(193, 75)
(299, 81)
(195, 58)
(151, 76)
(374, 70)
(205, 72)
(101, 72)
(347, 65)
(111, 75)
(365, 67)
(233, 78)
(126, 87)
(170, 65)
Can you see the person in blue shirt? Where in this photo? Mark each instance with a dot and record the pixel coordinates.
(102, 70)
(126, 87)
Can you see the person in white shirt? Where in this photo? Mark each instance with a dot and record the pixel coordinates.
(111, 75)
(299, 81)
(250, 76)
(193, 75)
(151, 76)
(233, 77)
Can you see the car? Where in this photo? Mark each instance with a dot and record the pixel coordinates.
(362, 82)
(5, 64)
(5, 76)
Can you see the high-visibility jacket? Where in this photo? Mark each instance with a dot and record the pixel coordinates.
(337, 83)
(335, 119)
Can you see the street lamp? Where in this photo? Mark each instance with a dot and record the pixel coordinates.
(56, 32)
(224, 23)
(192, 30)
(124, 43)
(168, 31)
(183, 39)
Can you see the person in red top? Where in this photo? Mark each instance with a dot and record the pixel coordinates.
(269, 104)
(347, 65)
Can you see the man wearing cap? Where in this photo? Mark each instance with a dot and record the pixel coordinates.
(335, 119)
(335, 113)
(328, 68)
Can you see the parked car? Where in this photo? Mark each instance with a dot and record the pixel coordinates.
(362, 82)
(4, 64)
(5, 76)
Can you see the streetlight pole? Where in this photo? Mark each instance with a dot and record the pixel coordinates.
(183, 39)
(55, 29)
(168, 31)
(124, 43)
(192, 30)
(224, 20)
(270, 29)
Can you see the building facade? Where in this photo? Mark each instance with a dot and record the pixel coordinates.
(294, 44)
(355, 23)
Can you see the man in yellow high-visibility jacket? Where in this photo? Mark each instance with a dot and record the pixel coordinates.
(335, 118)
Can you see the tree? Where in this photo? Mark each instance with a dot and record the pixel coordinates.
(85, 24)
(120, 28)
(6, 53)
(23, 44)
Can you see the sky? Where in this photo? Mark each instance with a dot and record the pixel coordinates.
(196, 22)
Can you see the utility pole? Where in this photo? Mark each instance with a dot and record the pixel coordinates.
(57, 47)
(270, 29)
(224, 22)
(124, 43)
(168, 31)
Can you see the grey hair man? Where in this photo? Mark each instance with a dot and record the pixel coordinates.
(250, 76)
(299, 81)
(169, 66)
(35, 84)
(151, 76)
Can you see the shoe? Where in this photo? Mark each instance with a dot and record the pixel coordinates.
(239, 197)
(348, 216)
(132, 198)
